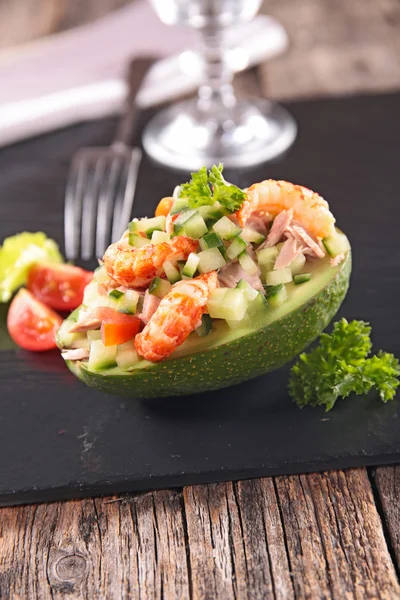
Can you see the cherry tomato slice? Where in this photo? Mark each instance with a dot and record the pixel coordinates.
(31, 324)
(164, 206)
(58, 286)
(117, 328)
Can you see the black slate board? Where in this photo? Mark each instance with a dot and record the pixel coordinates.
(59, 439)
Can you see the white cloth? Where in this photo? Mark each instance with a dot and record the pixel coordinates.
(79, 74)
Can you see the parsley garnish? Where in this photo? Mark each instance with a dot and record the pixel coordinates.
(207, 188)
(341, 365)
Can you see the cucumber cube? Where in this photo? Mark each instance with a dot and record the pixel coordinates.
(297, 265)
(127, 356)
(279, 276)
(211, 240)
(236, 247)
(336, 244)
(226, 303)
(210, 260)
(191, 265)
(159, 236)
(147, 225)
(248, 264)
(172, 273)
(301, 278)
(159, 287)
(226, 229)
(250, 292)
(267, 257)
(137, 240)
(205, 327)
(101, 357)
(252, 236)
(277, 295)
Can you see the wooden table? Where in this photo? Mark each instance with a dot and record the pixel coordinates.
(329, 535)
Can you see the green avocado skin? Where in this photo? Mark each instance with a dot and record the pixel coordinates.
(253, 354)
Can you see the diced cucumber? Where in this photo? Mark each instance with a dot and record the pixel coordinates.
(93, 334)
(212, 212)
(276, 295)
(236, 247)
(301, 278)
(267, 257)
(65, 338)
(101, 357)
(148, 225)
(179, 204)
(248, 264)
(279, 276)
(336, 244)
(205, 327)
(172, 273)
(226, 229)
(92, 297)
(191, 265)
(159, 236)
(210, 260)
(128, 304)
(252, 236)
(249, 291)
(211, 240)
(116, 294)
(81, 342)
(297, 265)
(127, 356)
(257, 306)
(100, 275)
(193, 227)
(137, 240)
(226, 303)
(159, 287)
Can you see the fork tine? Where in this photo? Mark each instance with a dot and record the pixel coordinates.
(73, 207)
(90, 200)
(121, 220)
(104, 212)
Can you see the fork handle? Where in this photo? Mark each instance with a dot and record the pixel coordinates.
(137, 71)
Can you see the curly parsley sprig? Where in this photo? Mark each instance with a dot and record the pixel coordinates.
(209, 187)
(341, 365)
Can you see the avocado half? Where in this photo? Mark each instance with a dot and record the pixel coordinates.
(229, 356)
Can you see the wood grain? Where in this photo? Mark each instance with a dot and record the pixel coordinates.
(298, 537)
(387, 481)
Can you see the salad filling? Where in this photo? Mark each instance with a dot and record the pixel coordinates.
(214, 255)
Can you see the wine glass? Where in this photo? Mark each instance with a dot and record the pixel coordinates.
(216, 126)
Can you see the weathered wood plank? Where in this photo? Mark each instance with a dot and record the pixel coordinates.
(334, 537)
(129, 548)
(236, 542)
(387, 480)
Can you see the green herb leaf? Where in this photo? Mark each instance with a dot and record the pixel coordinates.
(209, 188)
(197, 191)
(340, 366)
(228, 195)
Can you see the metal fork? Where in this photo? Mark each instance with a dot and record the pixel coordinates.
(102, 180)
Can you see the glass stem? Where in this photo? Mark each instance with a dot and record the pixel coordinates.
(216, 94)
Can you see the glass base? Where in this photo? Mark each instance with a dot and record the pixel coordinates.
(254, 131)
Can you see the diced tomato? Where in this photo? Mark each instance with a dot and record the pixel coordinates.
(164, 206)
(31, 324)
(58, 286)
(117, 328)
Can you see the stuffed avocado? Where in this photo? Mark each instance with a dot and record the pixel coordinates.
(220, 286)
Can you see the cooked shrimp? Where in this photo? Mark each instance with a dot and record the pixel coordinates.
(176, 317)
(270, 197)
(136, 267)
(164, 206)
